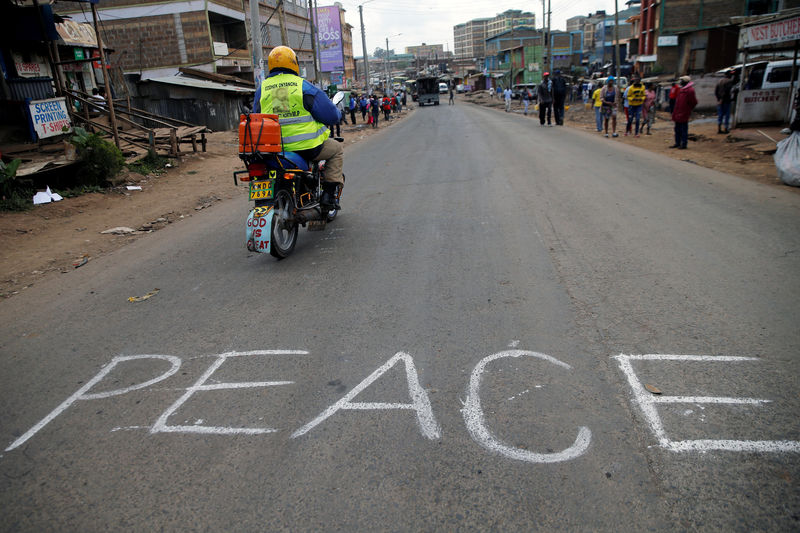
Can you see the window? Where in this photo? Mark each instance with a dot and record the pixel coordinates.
(782, 75)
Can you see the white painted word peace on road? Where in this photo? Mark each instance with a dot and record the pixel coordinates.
(474, 417)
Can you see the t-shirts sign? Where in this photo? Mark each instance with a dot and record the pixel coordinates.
(49, 117)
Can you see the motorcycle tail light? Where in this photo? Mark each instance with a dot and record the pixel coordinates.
(256, 170)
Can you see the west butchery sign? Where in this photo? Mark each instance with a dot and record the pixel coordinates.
(771, 33)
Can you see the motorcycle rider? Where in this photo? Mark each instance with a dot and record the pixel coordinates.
(305, 113)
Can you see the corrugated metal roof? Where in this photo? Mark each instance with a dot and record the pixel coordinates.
(202, 84)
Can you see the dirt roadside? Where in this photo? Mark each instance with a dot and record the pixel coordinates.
(745, 152)
(56, 238)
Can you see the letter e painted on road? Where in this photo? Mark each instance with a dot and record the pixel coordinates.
(161, 425)
(647, 403)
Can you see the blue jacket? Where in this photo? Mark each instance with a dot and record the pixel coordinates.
(315, 101)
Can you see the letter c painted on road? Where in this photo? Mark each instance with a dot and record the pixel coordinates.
(476, 425)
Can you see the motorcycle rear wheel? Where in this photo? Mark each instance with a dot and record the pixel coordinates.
(284, 228)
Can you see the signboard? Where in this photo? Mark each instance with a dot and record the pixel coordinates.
(35, 67)
(220, 49)
(668, 40)
(329, 37)
(78, 52)
(77, 34)
(762, 105)
(771, 32)
(49, 117)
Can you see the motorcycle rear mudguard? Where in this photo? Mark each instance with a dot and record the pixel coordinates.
(259, 229)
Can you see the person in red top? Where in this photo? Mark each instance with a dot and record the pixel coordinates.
(386, 104)
(685, 102)
(673, 93)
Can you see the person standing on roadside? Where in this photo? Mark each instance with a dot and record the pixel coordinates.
(451, 101)
(545, 98)
(636, 96)
(685, 102)
(491, 93)
(673, 94)
(375, 110)
(507, 94)
(609, 96)
(362, 104)
(353, 108)
(597, 100)
(649, 109)
(559, 97)
(387, 108)
(724, 91)
(526, 100)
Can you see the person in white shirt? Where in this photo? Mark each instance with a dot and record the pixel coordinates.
(507, 96)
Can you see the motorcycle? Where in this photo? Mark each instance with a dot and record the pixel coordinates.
(285, 188)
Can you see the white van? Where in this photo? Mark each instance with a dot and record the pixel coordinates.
(443, 88)
(767, 74)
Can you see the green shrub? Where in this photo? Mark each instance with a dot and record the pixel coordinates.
(101, 160)
(150, 163)
(15, 194)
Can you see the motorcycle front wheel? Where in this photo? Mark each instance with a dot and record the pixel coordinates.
(284, 227)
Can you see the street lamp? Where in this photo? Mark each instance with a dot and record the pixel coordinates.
(386, 59)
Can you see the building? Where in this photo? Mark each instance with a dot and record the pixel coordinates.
(695, 36)
(155, 39)
(512, 18)
(589, 24)
(576, 23)
(469, 39)
(514, 56)
(427, 51)
(605, 35)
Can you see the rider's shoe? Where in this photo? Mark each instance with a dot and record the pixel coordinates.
(329, 194)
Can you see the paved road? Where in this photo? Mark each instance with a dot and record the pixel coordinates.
(471, 346)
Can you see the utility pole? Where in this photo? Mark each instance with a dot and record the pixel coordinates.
(312, 20)
(364, 48)
(258, 51)
(109, 97)
(386, 62)
(317, 53)
(282, 22)
(616, 37)
(549, 39)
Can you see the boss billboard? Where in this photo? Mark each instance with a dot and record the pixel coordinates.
(329, 39)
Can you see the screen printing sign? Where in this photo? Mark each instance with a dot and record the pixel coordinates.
(50, 117)
(329, 37)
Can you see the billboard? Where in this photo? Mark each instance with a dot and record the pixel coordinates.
(329, 39)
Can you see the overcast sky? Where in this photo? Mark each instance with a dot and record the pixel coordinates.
(421, 21)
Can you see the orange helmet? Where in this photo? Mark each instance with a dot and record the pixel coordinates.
(283, 57)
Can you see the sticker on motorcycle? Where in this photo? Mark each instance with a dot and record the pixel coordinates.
(258, 229)
(261, 211)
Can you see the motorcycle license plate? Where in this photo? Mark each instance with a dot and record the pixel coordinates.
(262, 190)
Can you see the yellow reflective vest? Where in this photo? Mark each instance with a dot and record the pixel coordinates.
(282, 95)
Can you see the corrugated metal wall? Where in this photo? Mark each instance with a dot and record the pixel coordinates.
(33, 88)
